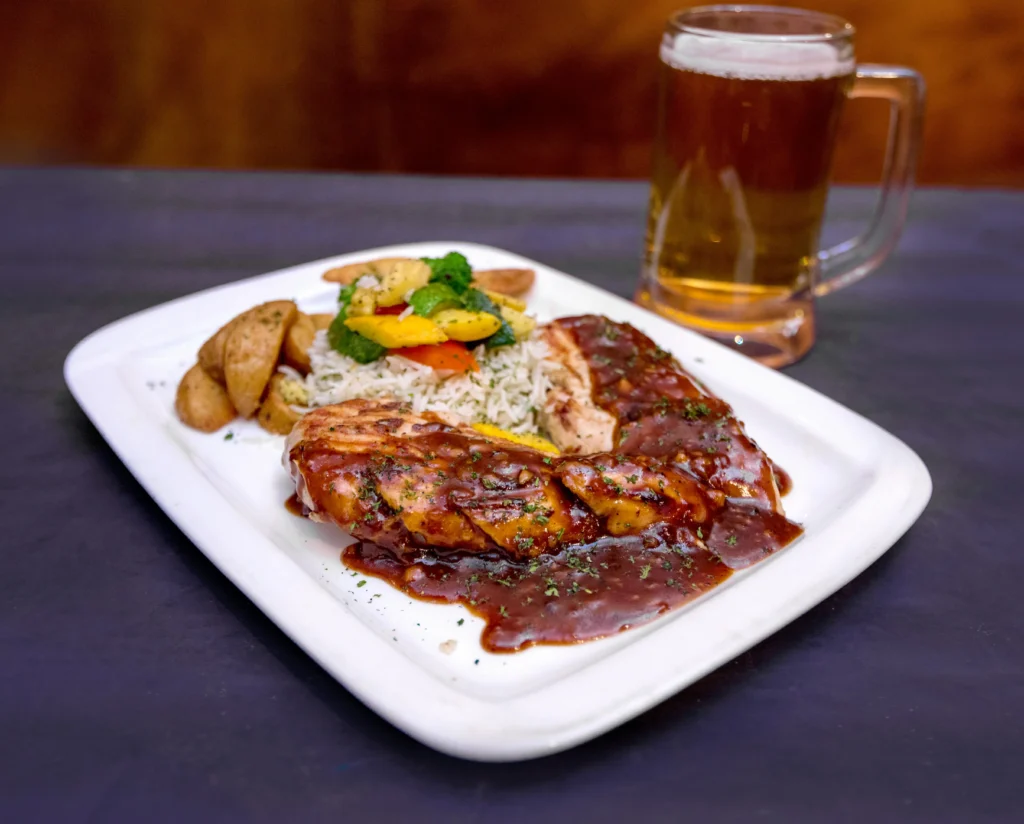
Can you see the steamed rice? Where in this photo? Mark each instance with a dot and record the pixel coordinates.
(507, 391)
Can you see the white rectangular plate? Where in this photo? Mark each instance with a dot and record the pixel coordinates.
(856, 490)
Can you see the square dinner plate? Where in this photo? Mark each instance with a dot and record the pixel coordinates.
(857, 489)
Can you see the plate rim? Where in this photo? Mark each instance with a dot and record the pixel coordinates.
(459, 724)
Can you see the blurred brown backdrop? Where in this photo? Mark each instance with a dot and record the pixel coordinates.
(563, 87)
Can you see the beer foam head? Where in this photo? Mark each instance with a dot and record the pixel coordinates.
(750, 59)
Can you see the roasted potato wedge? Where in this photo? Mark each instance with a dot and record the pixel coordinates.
(392, 333)
(201, 402)
(353, 271)
(252, 351)
(462, 325)
(297, 341)
(505, 281)
(211, 353)
(321, 320)
(276, 414)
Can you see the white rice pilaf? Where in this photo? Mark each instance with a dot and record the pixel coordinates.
(507, 391)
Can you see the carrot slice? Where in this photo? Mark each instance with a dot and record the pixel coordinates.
(450, 356)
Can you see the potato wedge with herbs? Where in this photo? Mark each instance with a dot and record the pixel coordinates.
(505, 281)
(402, 278)
(276, 414)
(321, 320)
(393, 332)
(201, 402)
(351, 272)
(297, 341)
(463, 325)
(211, 353)
(252, 351)
(522, 325)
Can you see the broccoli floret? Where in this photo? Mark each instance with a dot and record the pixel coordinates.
(453, 270)
(358, 347)
(432, 298)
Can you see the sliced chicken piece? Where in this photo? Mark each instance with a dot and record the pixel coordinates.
(617, 386)
(569, 415)
(412, 481)
(414, 491)
(631, 495)
(408, 481)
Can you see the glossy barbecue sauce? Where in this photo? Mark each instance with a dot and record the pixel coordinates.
(599, 587)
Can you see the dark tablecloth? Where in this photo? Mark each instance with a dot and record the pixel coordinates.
(136, 684)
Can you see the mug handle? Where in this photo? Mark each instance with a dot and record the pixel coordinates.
(853, 259)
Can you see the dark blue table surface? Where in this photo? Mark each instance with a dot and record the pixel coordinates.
(137, 684)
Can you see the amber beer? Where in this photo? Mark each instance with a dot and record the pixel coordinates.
(740, 176)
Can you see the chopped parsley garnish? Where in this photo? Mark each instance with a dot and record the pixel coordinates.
(731, 540)
(361, 583)
(461, 621)
(645, 571)
(502, 611)
(692, 411)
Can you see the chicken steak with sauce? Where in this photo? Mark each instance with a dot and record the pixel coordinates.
(407, 481)
(617, 391)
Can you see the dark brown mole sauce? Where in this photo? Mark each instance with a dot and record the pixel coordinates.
(579, 594)
(662, 411)
(591, 590)
(782, 479)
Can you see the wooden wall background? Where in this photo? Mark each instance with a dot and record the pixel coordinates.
(523, 87)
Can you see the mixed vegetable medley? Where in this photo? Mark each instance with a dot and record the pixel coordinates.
(428, 311)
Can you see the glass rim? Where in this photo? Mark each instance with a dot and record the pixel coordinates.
(843, 29)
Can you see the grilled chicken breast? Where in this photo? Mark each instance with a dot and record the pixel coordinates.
(616, 390)
(409, 480)
(569, 414)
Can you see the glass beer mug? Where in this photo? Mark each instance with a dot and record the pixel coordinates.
(749, 102)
